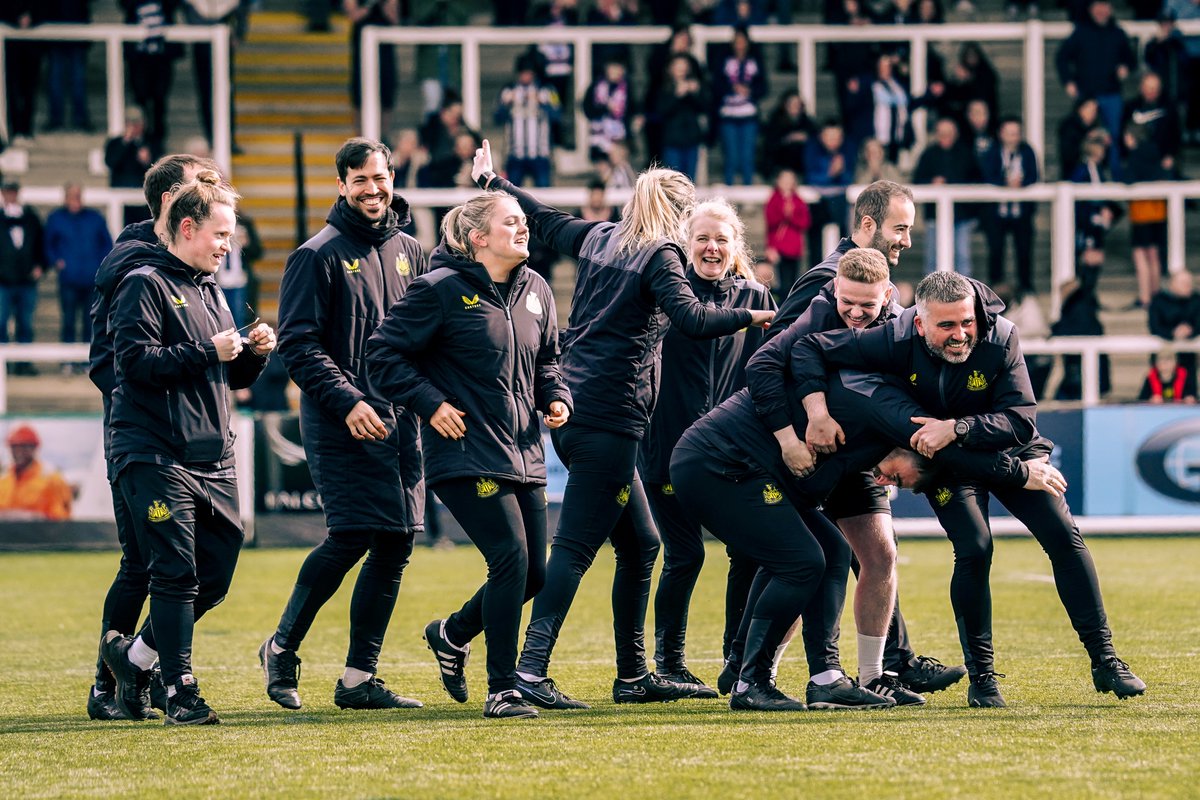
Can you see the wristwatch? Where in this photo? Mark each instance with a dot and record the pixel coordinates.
(961, 429)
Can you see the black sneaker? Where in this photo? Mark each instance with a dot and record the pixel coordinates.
(927, 675)
(1113, 675)
(133, 684)
(729, 676)
(700, 689)
(888, 685)
(452, 660)
(844, 693)
(281, 671)
(545, 694)
(763, 697)
(187, 707)
(507, 705)
(103, 706)
(650, 688)
(371, 693)
(984, 691)
(158, 692)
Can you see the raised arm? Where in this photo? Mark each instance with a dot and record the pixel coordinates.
(663, 279)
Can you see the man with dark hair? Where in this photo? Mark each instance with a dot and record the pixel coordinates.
(22, 262)
(364, 453)
(1010, 163)
(962, 362)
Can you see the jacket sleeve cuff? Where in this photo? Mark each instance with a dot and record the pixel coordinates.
(210, 352)
(776, 420)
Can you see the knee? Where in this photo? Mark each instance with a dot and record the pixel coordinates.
(802, 571)
(684, 559)
(879, 560)
(179, 587)
(389, 551)
(975, 554)
(535, 579)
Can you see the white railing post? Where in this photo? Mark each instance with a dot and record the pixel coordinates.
(115, 75)
(919, 84)
(583, 79)
(808, 72)
(944, 231)
(1090, 376)
(472, 83)
(1062, 244)
(370, 106)
(1035, 90)
(1176, 232)
(222, 78)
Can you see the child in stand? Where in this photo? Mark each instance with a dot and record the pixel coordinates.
(1168, 381)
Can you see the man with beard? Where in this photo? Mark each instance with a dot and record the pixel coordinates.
(364, 453)
(962, 361)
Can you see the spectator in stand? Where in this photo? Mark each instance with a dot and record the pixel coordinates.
(739, 85)
(980, 132)
(873, 165)
(127, 157)
(558, 65)
(510, 12)
(788, 220)
(905, 12)
(21, 267)
(948, 160)
(407, 158)
(616, 170)
(384, 14)
(829, 165)
(682, 110)
(437, 135)
(785, 136)
(1073, 130)
(150, 63)
(1185, 10)
(1147, 216)
(22, 66)
(610, 12)
(236, 273)
(680, 44)
(1010, 163)
(893, 129)
(1168, 380)
(1159, 120)
(28, 488)
(1080, 316)
(1093, 218)
(77, 240)
(527, 110)
(609, 107)
(597, 208)
(439, 66)
(1174, 313)
(66, 68)
(1167, 57)
(850, 62)
(213, 12)
(1094, 61)
(977, 77)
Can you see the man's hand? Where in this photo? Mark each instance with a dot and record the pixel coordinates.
(933, 435)
(1043, 477)
(558, 416)
(364, 423)
(448, 421)
(797, 455)
(228, 344)
(482, 162)
(262, 339)
(761, 318)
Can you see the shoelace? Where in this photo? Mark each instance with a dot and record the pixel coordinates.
(930, 664)
(288, 660)
(1118, 666)
(983, 677)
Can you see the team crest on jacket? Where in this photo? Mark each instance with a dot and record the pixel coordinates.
(470, 302)
(942, 497)
(623, 495)
(351, 266)
(771, 495)
(913, 379)
(486, 487)
(179, 302)
(158, 512)
(402, 265)
(668, 489)
(976, 382)
(534, 304)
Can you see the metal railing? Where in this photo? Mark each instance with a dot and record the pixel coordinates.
(1032, 35)
(113, 36)
(112, 201)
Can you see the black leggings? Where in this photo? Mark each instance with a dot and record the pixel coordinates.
(748, 511)
(965, 519)
(604, 499)
(127, 596)
(507, 522)
(374, 596)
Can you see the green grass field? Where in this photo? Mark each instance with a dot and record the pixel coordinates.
(1057, 737)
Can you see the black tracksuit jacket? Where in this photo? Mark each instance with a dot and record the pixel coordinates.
(132, 247)
(456, 337)
(698, 374)
(336, 290)
(620, 311)
(172, 403)
(806, 287)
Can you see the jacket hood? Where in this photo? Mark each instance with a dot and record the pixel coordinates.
(350, 222)
(160, 258)
(125, 256)
(988, 306)
(449, 258)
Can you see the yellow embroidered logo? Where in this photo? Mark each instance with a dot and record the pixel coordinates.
(668, 489)
(179, 302)
(771, 495)
(486, 487)
(402, 265)
(942, 496)
(913, 379)
(158, 512)
(623, 495)
(351, 266)
(470, 302)
(976, 382)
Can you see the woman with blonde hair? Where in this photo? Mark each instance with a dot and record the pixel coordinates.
(630, 283)
(472, 348)
(697, 375)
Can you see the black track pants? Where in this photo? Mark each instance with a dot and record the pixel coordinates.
(127, 596)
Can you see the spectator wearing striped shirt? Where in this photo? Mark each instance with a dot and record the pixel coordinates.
(528, 109)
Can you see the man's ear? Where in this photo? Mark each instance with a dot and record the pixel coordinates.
(920, 324)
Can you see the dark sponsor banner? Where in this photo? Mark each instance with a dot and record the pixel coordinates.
(282, 481)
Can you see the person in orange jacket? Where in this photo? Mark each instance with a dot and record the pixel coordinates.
(27, 485)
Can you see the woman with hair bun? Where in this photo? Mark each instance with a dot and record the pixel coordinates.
(472, 348)
(629, 285)
(178, 355)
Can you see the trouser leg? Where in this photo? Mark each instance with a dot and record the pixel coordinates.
(320, 576)
(683, 547)
(965, 519)
(374, 597)
(127, 595)
(636, 544)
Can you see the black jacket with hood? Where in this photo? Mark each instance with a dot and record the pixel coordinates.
(133, 246)
(490, 351)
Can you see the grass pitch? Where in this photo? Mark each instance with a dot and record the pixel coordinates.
(1058, 738)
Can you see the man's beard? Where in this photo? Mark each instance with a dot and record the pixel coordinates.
(951, 356)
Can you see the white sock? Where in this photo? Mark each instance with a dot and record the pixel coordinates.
(827, 677)
(141, 656)
(870, 657)
(779, 651)
(353, 677)
(275, 648)
(529, 677)
(740, 686)
(634, 680)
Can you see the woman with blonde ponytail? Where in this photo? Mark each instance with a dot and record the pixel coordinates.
(696, 377)
(472, 349)
(630, 283)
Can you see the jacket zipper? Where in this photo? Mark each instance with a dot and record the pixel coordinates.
(227, 421)
(506, 303)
